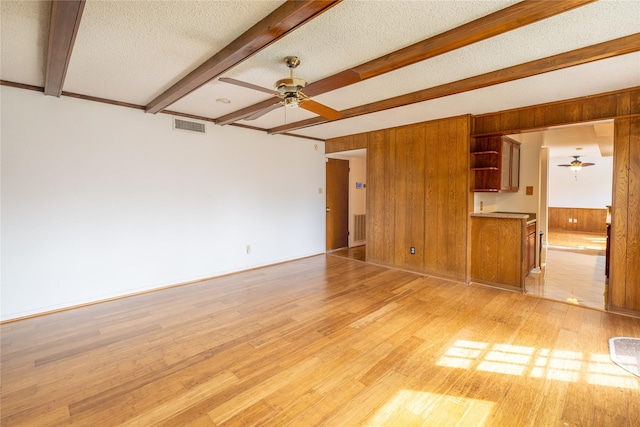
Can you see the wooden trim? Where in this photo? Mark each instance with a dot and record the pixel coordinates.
(603, 106)
(65, 21)
(501, 286)
(286, 18)
(580, 98)
(547, 127)
(623, 312)
(609, 49)
(102, 100)
(502, 21)
(21, 86)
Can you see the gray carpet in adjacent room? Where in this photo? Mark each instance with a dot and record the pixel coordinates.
(625, 352)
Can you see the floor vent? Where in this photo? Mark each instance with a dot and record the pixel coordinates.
(189, 126)
(359, 227)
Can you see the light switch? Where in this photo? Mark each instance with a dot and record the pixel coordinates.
(529, 190)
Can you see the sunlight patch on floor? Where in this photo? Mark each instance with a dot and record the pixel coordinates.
(559, 365)
(432, 407)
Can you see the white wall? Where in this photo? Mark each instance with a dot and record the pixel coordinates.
(101, 201)
(591, 189)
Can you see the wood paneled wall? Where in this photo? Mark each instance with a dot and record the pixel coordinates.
(584, 219)
(417, 195)
(395, 172)
(624, 107)
(346, 143)
(590, 108)
(624, 278)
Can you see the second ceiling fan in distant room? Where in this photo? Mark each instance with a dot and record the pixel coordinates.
(576, 165)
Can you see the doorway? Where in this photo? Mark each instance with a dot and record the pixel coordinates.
(573, 256)
(353, 187)
(337, 197)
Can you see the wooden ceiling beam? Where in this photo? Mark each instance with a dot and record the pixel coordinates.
(502, 21)
(63, 28)
(609, 49)
(289, 16)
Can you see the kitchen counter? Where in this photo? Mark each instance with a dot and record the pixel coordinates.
(500, 248)
(530, 217)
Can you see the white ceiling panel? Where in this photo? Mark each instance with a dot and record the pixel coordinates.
(134, 50)
(24, 30)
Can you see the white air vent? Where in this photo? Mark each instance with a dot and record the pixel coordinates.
(188, 125)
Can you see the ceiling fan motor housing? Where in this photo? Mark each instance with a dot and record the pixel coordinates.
(288, 85)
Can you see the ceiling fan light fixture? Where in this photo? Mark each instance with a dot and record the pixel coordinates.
(575, 168)
(291, 100)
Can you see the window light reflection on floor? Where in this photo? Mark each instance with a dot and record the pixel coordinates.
(408, 404)
(559, 365)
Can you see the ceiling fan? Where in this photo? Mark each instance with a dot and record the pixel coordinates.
(576, 164)
(289, 90)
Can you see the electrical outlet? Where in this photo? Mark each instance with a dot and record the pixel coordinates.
(248, 249)
(412, 250)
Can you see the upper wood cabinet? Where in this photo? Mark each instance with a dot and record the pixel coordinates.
(495, 163)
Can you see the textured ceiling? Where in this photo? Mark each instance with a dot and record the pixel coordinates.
(132, 51)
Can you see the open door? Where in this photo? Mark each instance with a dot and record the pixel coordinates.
(337, 204)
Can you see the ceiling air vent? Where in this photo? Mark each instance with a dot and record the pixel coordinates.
(188, 125)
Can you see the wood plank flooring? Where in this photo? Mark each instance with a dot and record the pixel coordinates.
(581, 240)
(320, 341)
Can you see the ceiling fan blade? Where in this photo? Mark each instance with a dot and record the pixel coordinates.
(263, 112)
(321, 110)
(247, 111)
(588, 164)
(248, 85)
(565, 166)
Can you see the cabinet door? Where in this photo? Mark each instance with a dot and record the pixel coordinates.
(531, 251)
(505, 166)
(515, 167)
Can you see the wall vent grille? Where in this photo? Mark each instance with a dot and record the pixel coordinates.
(189, 126)
(359, 227)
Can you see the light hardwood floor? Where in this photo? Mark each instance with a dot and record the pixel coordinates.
(573, 267)
(325, 340)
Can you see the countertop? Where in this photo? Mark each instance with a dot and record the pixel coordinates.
(530, 217)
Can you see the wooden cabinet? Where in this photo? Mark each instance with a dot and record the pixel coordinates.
(495, 163)
(530, 247)
(498, 249)
(514, 165)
